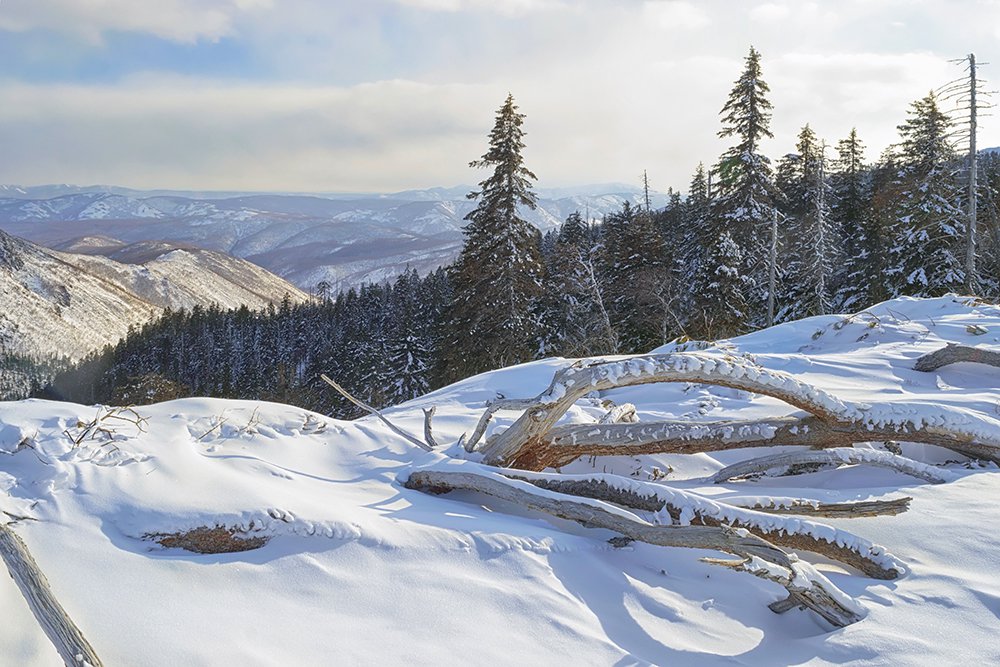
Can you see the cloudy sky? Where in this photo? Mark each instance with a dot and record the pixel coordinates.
(382, 95)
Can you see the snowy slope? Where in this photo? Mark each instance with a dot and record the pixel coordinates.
(345, 240)
(69, 304)
(360, 570)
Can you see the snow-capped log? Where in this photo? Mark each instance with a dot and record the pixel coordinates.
(70, 643)
(532, 442)
(668, 505)
(804, 507)
(572, 383)
(953, 354)
(835, 456)
(804, 585)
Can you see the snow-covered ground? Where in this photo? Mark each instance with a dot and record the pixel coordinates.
(360, 570)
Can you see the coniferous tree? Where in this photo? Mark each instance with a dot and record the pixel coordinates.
(497, 278)
(718, 291)
(809, 245)
(743, 201)
(928, 230)
(852, 215)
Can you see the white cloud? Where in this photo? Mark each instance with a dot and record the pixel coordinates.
(509, 7)
(177, 20)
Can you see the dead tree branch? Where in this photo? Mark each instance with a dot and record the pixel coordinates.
(835, 456)
(953, 354)
(806, 586)
(534, 443)
(801, 507)
(72, 646)
(367, 408)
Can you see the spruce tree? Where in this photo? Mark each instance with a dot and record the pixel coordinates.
(497, 278)
(718, 291)
(926, 258)
(743, 201)
(808, 255)
(852, 215)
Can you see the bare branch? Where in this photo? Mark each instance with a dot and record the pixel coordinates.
(364, 406)
(835, 456)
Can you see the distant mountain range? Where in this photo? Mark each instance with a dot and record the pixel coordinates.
(344, 239)
(59, 303)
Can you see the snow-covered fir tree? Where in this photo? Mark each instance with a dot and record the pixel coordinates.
(577, 320)
(808, 250)
(743, 199)
(719, 291)
(635, 276)
(851, 182)
(928, 231)
(497, 278)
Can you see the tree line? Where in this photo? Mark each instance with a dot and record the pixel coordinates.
(749, 243)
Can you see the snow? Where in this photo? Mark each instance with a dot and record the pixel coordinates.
(360, 570)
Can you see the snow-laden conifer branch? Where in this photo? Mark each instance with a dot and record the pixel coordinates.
(835, 456)
(804, 585)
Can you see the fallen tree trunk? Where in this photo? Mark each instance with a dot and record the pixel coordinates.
(804, 584)
(953, 354)
(836, 456)
(72, 646)
(533, 442)
(674, 506)
(572, 383)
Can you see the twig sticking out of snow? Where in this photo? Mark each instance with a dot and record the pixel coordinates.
(364, 406)
(803, 584)
(836, 456)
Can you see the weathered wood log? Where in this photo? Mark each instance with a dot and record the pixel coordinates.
(685, 507)
(835, 456)
(570, 384)
(802, 582)
(835, 607)
(533, 442)
(953, 354)
(72, 646)
(852, 510)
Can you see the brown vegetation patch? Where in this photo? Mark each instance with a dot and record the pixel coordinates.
(205, 540)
